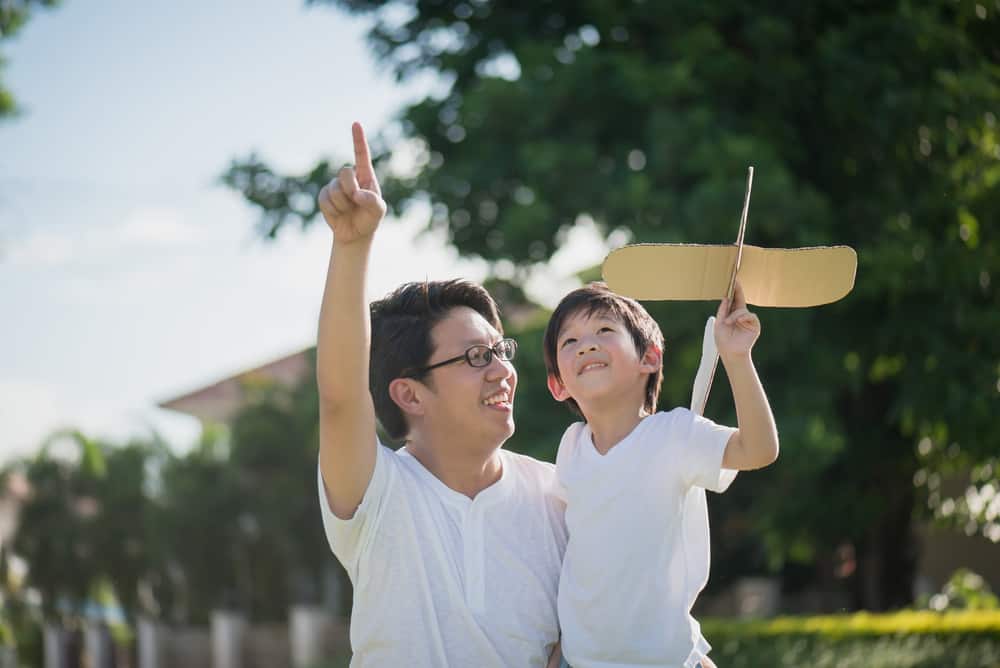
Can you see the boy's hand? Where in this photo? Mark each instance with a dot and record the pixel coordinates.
(352, 202)
(736, 328)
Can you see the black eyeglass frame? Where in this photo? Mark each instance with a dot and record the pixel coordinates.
(488, 355)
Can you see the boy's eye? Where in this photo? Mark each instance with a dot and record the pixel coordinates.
(605, 329)
(566, 342)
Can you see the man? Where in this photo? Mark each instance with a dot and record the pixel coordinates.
(453, 545)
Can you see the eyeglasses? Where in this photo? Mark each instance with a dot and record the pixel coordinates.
(478, 356)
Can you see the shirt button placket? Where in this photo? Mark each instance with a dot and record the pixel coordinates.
(472, 535)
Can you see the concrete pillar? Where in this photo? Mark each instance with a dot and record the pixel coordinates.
(54, 646)
(758, 597)
(97, 645)
(307, 626)
(228, 628)
(148, 641)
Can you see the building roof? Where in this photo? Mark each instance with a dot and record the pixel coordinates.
(218, 402)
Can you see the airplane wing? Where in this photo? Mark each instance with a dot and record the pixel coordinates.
(790, 277)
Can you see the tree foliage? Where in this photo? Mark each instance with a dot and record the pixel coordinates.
(230, 523)
(56, 525)
(13, 15)
(869, 124)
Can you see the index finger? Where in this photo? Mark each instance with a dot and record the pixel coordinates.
(362, 156)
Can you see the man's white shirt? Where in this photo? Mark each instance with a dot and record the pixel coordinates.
(444, 580)
(638, 553)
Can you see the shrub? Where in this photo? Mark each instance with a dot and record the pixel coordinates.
(909, 639)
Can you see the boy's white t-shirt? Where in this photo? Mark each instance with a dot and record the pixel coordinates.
(638, 553)
(444, 580)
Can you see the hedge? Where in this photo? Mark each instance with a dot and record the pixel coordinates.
(908, 639)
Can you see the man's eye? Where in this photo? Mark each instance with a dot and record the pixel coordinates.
(566, 342)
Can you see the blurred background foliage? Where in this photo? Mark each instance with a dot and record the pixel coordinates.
(113, 531)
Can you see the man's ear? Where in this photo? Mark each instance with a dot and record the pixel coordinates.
(652, 361)
(406, 394)
(558, 390)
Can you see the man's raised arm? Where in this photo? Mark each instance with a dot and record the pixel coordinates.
(352, 206)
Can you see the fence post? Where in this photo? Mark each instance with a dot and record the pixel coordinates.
(306, 627)
(54, 646)
(147, 643)
(228, 628)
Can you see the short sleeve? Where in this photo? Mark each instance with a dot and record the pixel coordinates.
(704, 449)
(565, 457)
(559, 489)
(348, 538)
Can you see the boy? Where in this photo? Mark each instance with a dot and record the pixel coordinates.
(638, 545)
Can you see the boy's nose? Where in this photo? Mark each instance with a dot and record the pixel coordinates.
(583, 350)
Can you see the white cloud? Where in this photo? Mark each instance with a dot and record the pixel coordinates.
(43, 249)
(157, 227)
(143, 229)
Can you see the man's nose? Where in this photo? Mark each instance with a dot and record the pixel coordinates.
(499, 369)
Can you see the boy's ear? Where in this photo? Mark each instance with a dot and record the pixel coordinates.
(557, 389)
(406, 395)
(652, 361)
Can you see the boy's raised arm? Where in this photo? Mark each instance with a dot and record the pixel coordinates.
(352, 206)
(755, 445)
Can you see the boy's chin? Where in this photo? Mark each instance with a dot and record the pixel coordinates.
(600, 398)
(596, 392)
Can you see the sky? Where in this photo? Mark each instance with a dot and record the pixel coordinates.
(128, 275)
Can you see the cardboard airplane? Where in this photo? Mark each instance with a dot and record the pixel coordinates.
(794, 277)
(790, 277)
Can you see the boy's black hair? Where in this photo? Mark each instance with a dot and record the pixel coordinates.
(597, 299)
(402, 323)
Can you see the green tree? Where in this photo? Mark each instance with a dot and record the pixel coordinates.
(199, 529)
(86, 530)
(238, 520)
(871, 124)
(13, 15)
(274, 445)
(225, 525)
(20, 621)
(55, 527)
(127, 549)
